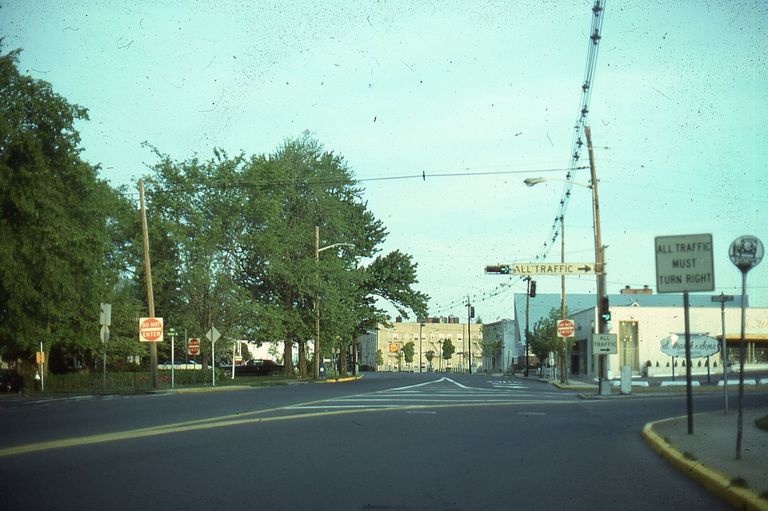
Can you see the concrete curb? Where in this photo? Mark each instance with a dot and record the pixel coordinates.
(342, 380)
(714, 481)
(199, 390)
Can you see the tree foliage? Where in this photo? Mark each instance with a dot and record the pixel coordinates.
(57, 258)
(544, 338)
(232, 243)
(448, 349)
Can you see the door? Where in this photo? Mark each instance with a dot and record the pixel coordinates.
(629, 345)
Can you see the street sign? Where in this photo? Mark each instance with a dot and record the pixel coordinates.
(104, 334)
(212, 334)
(565, 328)
(193, 346)
(701, 345)
(684, 263)
(105, 314)
(553, 268)
(150, 329)
(604, 344)
(746, 252)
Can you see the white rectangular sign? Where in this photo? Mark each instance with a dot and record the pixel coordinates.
(553, 268)
(604, 344)
(684, 263)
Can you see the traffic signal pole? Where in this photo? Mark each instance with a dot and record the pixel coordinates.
(601, 325)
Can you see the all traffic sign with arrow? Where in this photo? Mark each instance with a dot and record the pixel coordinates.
(542, 269)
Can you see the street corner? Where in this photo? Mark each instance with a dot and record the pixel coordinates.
(343, 379)
(200, 390)
(716, 482)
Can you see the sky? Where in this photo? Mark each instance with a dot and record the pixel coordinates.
(455, 103)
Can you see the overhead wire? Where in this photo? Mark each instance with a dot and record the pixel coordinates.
(593, 47)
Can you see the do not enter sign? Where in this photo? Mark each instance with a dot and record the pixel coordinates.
(565, 328)
(193, 346)
(150, 329)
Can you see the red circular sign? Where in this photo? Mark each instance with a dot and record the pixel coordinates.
(151, 329)
(193, 346)
(565, 327)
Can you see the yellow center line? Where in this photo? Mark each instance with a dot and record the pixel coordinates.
(234, 420)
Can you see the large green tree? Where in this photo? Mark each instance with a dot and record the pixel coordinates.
(545, 339)
(54, 224)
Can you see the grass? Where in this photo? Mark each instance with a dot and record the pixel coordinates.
(762, 423)
(140, 381)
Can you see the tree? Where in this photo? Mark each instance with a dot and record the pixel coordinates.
(448, 349)
(429, 356)
(55, 224)
(408, 351)
(379, 358)
(545, 339)
(491, 349)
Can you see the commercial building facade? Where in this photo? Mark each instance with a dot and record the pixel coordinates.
(641, 322)
(428, 336)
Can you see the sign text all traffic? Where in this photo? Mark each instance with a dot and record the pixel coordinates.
(684, 263)
(552, 268)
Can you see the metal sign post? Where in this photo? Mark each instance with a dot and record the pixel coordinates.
(722, 298)
(213, 336)
(745, 252)
(684, 264)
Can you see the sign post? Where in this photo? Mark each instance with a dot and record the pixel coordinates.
(105, 320)
(683, 264)
(213, 336)
(745, 252)
(722, 298)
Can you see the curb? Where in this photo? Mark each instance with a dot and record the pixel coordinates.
(342, 380)
(200, 390)
(711, 479)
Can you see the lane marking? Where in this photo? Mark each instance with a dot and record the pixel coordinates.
(223, 422)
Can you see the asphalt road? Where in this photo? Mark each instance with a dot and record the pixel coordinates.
(387, 442)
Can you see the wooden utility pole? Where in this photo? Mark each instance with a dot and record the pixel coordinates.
(148, 277)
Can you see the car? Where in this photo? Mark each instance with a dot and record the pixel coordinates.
(10, 381)
(259, 367)
(180, 364)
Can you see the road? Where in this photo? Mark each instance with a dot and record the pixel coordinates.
(387, 442)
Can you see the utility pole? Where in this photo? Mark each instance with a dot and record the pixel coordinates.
(601, 325)
(563, 366)
(470, 315)
(148, 276)
(527, 330)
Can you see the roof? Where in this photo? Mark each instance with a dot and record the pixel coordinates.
(540, 306)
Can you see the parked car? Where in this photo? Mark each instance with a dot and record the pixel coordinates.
(180, 364)
(10, 381)
(258, 367)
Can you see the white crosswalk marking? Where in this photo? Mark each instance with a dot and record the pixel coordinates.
(443, 391)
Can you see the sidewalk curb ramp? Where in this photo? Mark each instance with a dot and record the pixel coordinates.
(714, 481)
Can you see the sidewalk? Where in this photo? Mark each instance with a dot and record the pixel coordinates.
(709, 454)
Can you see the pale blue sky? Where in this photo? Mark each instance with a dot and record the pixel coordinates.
(679, 116)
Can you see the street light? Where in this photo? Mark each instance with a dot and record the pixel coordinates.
(602, 297)
(318, 249)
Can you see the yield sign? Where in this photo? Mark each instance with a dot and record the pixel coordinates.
(213, 334)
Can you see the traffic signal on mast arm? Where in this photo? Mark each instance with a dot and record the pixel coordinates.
(532, 291)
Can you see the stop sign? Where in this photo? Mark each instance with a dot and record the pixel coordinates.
(150, 329)
(565, 328)
(193, 346)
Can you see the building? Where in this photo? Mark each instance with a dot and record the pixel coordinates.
(428, 336)
(642, 321)
(503, 349)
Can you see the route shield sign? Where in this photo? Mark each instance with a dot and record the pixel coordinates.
(684, 263)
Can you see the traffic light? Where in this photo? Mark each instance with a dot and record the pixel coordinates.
(532, 289)
(605, 310)
(504, 269)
